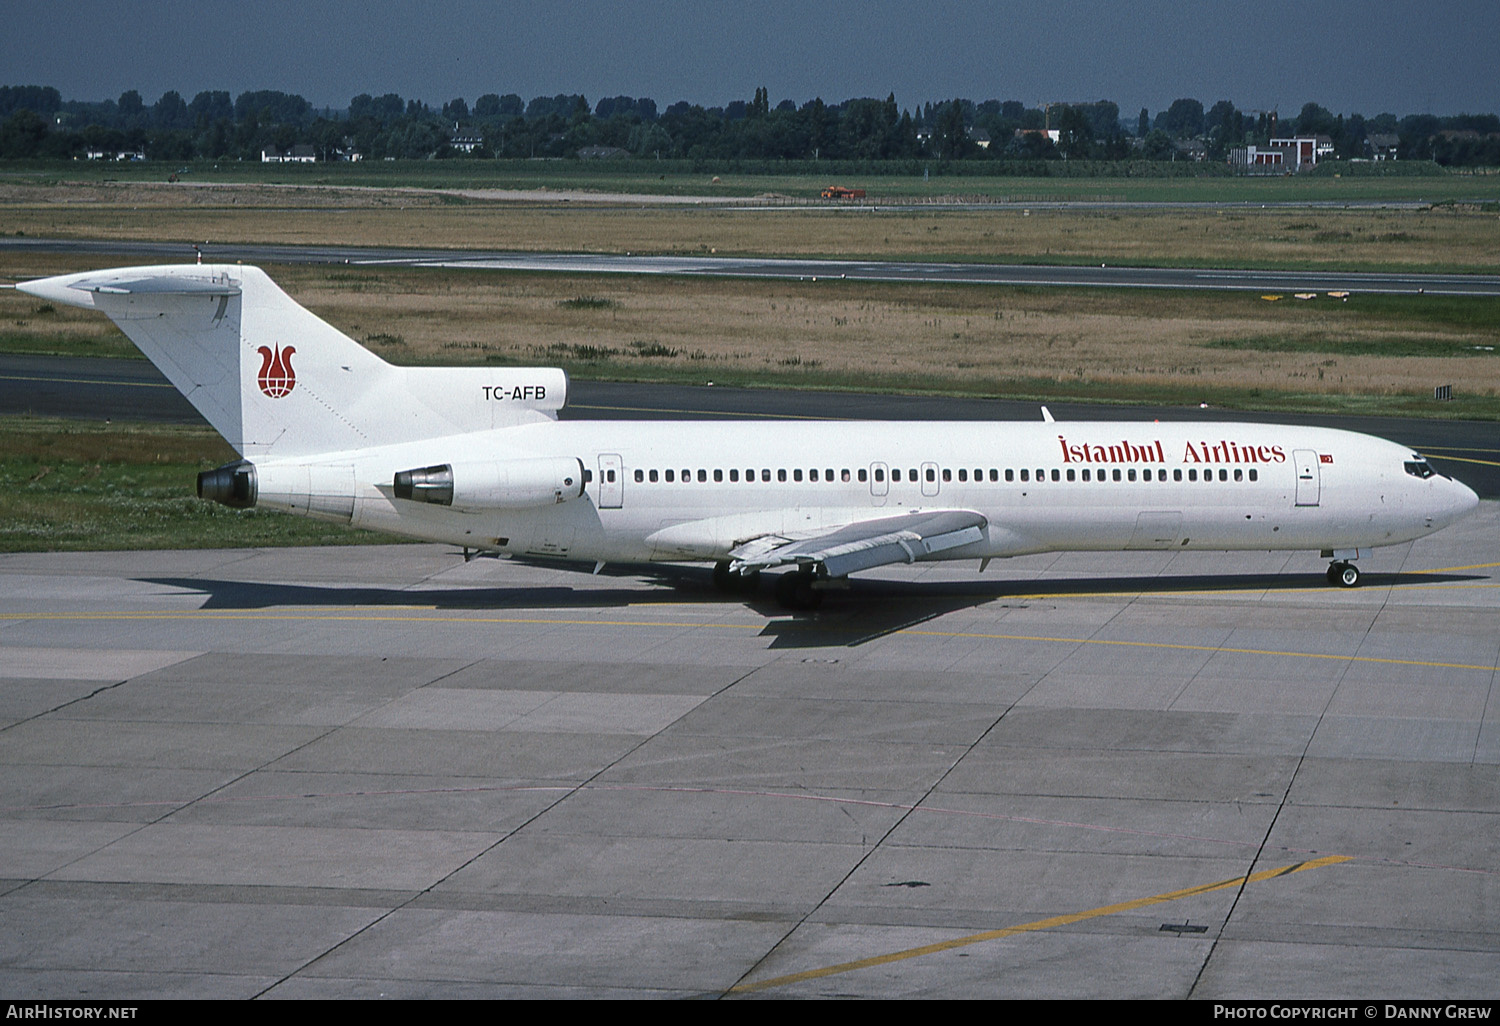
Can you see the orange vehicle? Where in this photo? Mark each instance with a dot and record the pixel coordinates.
(839, 192)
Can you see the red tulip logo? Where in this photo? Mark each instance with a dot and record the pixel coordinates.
(276, 378)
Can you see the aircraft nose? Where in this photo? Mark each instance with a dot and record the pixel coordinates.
(1462, 500)
(1468, 499)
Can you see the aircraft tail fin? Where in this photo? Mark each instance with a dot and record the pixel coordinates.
(276, 380)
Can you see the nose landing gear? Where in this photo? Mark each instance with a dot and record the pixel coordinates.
(1345, 575)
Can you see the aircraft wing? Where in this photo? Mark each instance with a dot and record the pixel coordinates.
(866, 543)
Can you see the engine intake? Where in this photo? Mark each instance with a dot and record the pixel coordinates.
(233, 485)
(498, 484)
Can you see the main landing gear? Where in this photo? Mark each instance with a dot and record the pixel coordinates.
(1345, 575)
(794, 590)
(733, 582)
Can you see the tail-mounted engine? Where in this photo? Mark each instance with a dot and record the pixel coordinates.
(232, 485)
(498, 484)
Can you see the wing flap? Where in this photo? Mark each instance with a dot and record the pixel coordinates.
(866, 544)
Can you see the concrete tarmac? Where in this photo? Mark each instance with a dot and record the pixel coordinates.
(382, 771)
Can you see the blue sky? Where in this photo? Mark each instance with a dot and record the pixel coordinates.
(1349, 55)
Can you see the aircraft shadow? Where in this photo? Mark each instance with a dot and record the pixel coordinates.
(868, 610)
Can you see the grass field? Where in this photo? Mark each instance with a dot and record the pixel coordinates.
(66, 485)
(1137, 181)
(1123, 345)
(1446, 237)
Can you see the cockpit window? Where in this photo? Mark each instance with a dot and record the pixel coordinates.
(1419, 468)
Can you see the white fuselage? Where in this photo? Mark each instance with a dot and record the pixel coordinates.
(477, 457)
(695, 490)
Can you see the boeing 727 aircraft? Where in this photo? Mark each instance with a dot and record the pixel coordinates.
(476, 457)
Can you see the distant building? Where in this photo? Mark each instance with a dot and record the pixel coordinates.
(979, 137)
(1301, 152)
(302, 153)
(1382, 145)
(95, 153)
(1279, 156)
(465, 141)
(1190, 149)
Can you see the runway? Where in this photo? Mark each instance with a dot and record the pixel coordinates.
(768, 267)
(383, 771)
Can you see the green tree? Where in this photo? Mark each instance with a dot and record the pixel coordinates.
(1316, 120)
(170, 113)
(1182, 120)
(22, 134)
(1075, 135)
(1158, 146)
(953, 136)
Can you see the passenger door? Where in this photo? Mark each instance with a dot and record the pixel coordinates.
(611, 490)
(1309, 477)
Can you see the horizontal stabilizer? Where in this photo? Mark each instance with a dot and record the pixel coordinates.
(159, 286)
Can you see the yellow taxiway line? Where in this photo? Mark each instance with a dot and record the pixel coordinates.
(1032, 927)
(358, 615)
